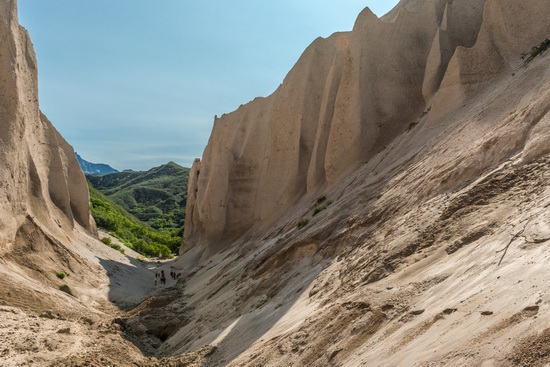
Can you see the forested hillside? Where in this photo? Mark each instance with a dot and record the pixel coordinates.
(129, 230)
(156, 197)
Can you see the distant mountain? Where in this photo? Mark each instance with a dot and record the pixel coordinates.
(94, 168)
(156, 197)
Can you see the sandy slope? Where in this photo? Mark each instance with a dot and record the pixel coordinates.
(43, 323)
(77, 321)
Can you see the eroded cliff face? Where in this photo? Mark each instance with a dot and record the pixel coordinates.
(54, 273)
(434, 250)
(41, 184)
(345, 100)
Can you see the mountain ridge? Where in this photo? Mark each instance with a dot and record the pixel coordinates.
(94, 168)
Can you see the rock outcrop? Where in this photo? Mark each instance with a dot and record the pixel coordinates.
(41, 184)
(345, 100)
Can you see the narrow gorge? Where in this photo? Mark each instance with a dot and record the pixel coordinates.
(387, 205)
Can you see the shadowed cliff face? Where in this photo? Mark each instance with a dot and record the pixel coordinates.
(347, 97)
(39, 175)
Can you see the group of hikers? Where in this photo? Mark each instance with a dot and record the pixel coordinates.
(160, 276)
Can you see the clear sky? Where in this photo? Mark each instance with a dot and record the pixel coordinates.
(136, 84)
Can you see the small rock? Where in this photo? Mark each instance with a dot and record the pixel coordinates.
(116, 327)
(48, 314)
(531, 309)
(87, 320)
(64, 331)
(65, 288)
(334, 353)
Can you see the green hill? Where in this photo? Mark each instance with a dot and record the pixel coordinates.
(134, 234)
(156, 197)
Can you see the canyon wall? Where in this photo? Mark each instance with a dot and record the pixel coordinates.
(41, 184)
(347, 97)
(429, 135)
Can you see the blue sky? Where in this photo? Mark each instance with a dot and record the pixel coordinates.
(136, 84)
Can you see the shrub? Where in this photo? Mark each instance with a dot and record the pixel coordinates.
(109, 242)
(61, 275)
(319, 209)
(320, 200)
(302, 223)
(535, 51)
(412, 125)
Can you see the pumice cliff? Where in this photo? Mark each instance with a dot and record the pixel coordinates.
(345, 100)
(56, 278)
(42, 188)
